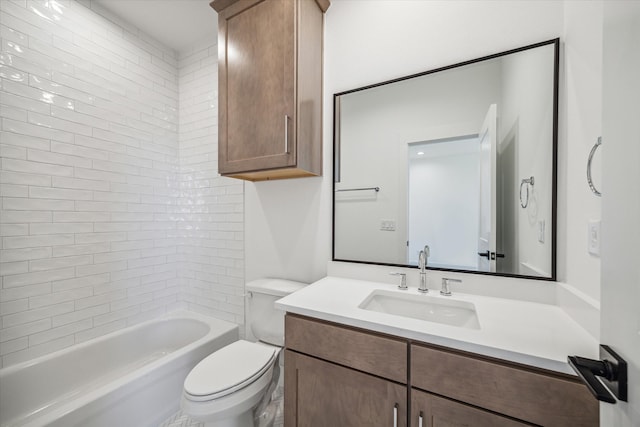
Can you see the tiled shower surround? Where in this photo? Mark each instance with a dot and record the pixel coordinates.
(112, 210)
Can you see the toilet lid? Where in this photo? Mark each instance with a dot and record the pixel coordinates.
(229, 369)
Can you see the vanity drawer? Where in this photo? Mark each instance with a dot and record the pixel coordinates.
(531, 395)
(379, 355)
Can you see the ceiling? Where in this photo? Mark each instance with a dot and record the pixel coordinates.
(174, 23)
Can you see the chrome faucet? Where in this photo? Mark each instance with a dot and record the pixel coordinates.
(446, 289)
(422, 265)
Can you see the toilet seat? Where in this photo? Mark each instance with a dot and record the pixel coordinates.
(229, 369)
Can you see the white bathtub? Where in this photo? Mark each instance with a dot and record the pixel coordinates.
(132, 377)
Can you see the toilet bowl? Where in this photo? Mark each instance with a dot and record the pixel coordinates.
(226, 387)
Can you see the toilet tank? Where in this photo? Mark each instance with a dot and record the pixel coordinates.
(266, 321)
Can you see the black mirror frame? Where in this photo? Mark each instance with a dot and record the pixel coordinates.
(554, 192)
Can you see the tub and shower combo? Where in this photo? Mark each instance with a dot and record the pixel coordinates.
(132, 377)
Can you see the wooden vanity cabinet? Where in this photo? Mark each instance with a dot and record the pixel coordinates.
(430, 410)
(327, 394)
(270, 88)
(342, 376)
(527, 394)
(338, 376)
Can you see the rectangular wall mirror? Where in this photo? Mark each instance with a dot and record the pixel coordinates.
(461, 159)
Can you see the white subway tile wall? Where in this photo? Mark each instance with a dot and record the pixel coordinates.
(112, 208)
(210, 233)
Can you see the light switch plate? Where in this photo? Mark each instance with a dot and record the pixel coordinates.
(593, 237)
(541, 231)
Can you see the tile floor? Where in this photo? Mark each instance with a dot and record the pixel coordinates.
(181, 420)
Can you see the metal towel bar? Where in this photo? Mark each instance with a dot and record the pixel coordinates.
(376, 189)
(528, 182)
(589, 180)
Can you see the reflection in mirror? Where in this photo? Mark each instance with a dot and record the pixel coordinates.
(461, 159)
(456, 162)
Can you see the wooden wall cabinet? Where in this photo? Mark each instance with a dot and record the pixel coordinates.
(270, 88)
(337, 375)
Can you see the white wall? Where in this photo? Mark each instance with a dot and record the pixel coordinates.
(109, 216)
(289, 222)
(621, 201)
(580, 126)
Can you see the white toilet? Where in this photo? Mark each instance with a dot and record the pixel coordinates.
(224, 389)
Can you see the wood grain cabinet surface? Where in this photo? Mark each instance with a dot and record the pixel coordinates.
(330, 395)
(377, 354)
(532, 395)
(339, 376)
(270, 88)
(428, 410)
(343, 376)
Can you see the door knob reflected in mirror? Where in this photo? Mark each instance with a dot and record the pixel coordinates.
(490, 255)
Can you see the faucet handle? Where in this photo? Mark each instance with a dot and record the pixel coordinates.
(403, 281)
(446, 289)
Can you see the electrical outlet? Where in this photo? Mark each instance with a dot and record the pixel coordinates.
(387, 225)
(593, 237)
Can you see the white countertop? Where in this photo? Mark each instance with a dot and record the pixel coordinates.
(535, 334)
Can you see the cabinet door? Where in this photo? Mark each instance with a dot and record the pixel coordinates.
(428, 410)
(321, 394)
(537, 396)
(256, 85)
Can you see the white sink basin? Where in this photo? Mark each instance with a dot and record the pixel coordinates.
(442, 310)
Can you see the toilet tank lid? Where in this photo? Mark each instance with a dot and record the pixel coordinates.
(277, 287)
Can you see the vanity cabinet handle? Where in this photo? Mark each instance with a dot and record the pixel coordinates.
(420, 418)
(286, 134)
(395, 415)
